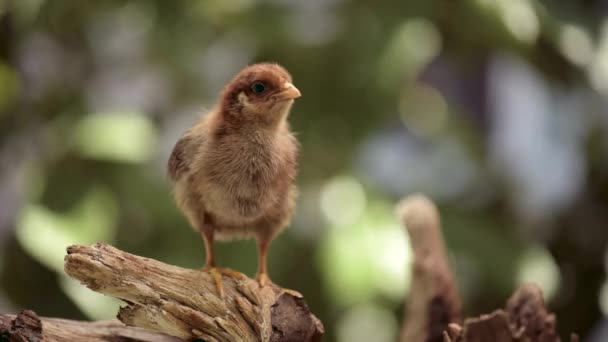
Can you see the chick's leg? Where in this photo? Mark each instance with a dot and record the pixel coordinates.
(211, 267)
(207, 234)
(262, 276)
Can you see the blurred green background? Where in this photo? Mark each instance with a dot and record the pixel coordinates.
(497, 109)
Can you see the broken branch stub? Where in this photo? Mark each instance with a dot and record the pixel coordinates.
(433, 301)
(524, 319)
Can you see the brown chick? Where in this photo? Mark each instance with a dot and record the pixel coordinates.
(234, 171)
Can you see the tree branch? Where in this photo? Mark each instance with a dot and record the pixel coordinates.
(184, 303)
(28, 327)
(433, 301)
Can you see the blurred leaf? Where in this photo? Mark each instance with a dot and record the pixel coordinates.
(413, 45)
(366, 323)
(537, 265)
(424, 110)
(27, 10)
(367, 258)
(603, 298)
(95, 305)
(520, 18)
(217, 11)
(34, 179)
(45, 234)
(9, 86)
(598, 70)
(342, 200)
(116, 136)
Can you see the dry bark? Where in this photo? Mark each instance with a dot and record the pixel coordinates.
(184, 302)
(433, 301)
(524, 319)
(28, 327)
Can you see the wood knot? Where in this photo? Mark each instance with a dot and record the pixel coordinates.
(26, 327)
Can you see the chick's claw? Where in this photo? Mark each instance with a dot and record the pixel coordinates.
(218, 273)
(293, 293)
(217, 278)
(264, 280)
(233, 274)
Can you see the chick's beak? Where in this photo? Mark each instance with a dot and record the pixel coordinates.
(289, 92)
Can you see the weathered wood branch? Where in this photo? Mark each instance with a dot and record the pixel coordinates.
(28, 327)
(433, 302)
(184, 302)
(434, 305)
(524, 319)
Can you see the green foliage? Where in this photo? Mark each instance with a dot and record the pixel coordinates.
(121, 137)
(45, 234)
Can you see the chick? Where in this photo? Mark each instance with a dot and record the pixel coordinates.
(234, 171)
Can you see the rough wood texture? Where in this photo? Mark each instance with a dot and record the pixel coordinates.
(524, 319)
(28, 327)
(184, 303)
(433, 301)
(434, 305)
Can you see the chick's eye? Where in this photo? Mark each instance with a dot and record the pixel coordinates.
(258, 87)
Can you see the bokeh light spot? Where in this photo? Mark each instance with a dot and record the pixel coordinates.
(537, 266)
(575, 44)
(368, 258)
(342, 200)
(346, 266)
(391, 257)
(116, 136)
(520, 18)
(603, 298)
(367, 323)
(598, 69)
(414, 44)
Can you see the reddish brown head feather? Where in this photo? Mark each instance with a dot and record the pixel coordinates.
(272, 75)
